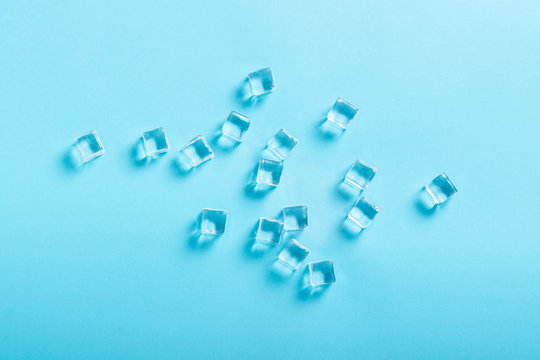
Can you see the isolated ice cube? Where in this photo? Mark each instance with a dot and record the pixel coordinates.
(235, 126)
(281, 144)
(321, 273)
(197, 152)
(89, 146)
(360, 216)
(295, 217)
(293, 254)
(342, 113)
(261, 82)
(213, 222)
(269, 173)
(155, 142)
(269, 231)
(440, 189)
(358, 177)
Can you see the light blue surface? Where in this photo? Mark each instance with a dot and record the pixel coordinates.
(96, 264)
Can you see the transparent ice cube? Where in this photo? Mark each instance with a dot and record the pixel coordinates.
(89, 146)
(213, 222)
(282, 144)
(235, 126)
(269, 231)
(295, 217)
(196, 152)
(293, 254)
(440, 189)
(360, 175)
(321, 273)
(269, 173)
(360, 216)
(342, 113)
(261, 82)
(155, 142)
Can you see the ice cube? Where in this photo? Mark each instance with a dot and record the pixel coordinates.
(360, 216)
(89, 146)
(269, 231)
(213, 222)
(321, 273)
(261, 82)
(281, 144)
(295, 217)
(293, 254)
(155, 142)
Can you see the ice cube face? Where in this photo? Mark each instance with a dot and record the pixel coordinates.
(269, 231)
(89, 146)
(155, 142)
(342, 113)
(235, 126)
(269, 172)
(362, 213)
(360, 175)
(440, 189)
(197, 151)
(213, 222)
(261, 82)
(282, 144)
(293, 254)
(295, 217)
(321, 273)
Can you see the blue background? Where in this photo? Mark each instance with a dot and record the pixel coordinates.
(96, 263)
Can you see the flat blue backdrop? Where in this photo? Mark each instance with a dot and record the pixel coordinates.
(96, 263)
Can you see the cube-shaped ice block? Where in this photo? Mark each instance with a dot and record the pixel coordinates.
(89, 146)
(321, 273)
(269, 173)
(235, 126)
(282, 144)
(293, 254)
(261, 82)
(197, 151)
(342, 113)
(295, 217)
(361, 214)
(360, 175)
(155, 142)
(212, 222)
(440, 189)
(269, 231)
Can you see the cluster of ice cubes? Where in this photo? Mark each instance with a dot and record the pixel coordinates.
(268, 173)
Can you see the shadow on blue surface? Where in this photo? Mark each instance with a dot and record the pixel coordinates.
(70, 160)
(195, 239)
(242, 95)
(307, 292)
(423, 205)
(138, 156)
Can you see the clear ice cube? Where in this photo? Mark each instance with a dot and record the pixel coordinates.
(295, 217)
(360, 216)
(269, 231)
(440, 189)
(197, 152)
(155, 142)
(235, 126)
(293, 254)
(261, 82)
(321, 273)
(213, 222)
(282, 143)
(360, 175)
(89, 146)
(269, 173)
(341, 114)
